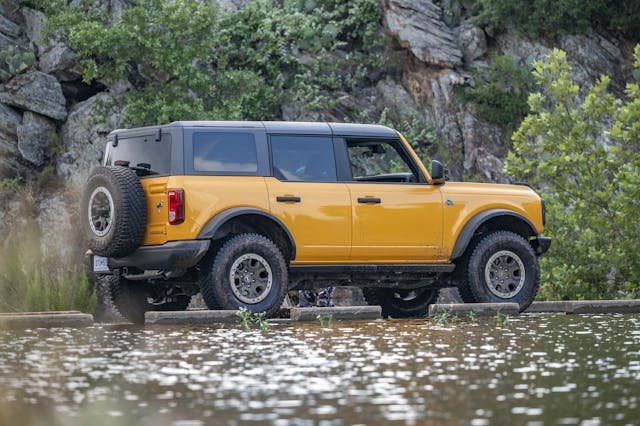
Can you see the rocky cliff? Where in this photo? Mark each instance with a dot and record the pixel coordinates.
(53, 126)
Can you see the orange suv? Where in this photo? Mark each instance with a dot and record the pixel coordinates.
(245, 211)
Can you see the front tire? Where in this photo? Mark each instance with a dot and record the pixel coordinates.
(248, 272)
(502, 267)
(397, 303)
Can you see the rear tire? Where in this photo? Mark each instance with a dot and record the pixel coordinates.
(397, 303)
(502, 267)
(113, 211)
(248, 272)
(132, 299)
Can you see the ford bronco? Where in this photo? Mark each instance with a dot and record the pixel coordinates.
(243, 212)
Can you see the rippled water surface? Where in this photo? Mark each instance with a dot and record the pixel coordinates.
(551, 369)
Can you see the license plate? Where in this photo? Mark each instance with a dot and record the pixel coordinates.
(100, 264)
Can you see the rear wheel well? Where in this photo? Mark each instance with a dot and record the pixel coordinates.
(257, 224)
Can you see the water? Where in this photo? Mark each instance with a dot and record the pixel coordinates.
(551, 369)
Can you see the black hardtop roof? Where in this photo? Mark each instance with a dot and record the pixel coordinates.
(277, 127)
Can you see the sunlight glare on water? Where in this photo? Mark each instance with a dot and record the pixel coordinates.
(539, 369)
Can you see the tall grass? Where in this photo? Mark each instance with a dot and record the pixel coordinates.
(30, 283)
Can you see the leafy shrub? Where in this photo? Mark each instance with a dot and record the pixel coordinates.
(584, 157)
(191, 60)
(553, 18)
(500, 96)
(14, 61)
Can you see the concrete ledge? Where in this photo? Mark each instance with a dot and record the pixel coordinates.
(21, 320)
(603, 306)
(339, 313)
(203, 317)
(480, 309)
(540, 307)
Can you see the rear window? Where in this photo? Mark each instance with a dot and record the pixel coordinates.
(142, 153)
(224, 152)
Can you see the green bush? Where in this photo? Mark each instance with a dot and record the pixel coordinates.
(500, 96)
(553, 18)
(584, 157)
(190, 60)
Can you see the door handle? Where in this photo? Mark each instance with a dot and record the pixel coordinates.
(369, 200)
(284, 199)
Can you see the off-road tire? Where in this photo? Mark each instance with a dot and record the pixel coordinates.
(393, 302)
(217, 290)
(128, 219)
(474, 286)
(130, 298)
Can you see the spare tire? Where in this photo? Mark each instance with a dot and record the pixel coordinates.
(113, 211)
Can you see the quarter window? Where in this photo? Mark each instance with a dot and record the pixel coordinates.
(303, 158)
(224, 152)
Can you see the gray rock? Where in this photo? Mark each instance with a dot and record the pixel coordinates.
(61, 62)
(337, 313)
(396, 97)
(232, 5)
(13, 321)
(592, 55)
(520, 48)
(37, 92)
(485, 146)
(472, 40)
(36, 137)
(9, 27)
(297, 112)
(542, 307)
(438, 88)
(60, 242)
(449, 295)
(480, 309)
(9, 7)
(84, 136)
(6, 41)
(35, 24)
(190, 317)
(603, 306)
(10, 119)
(418, 25)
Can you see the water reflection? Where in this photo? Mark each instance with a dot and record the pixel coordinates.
(540, 369)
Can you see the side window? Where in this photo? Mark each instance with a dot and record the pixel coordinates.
(303, 158)
(379, 161)
(224, 152)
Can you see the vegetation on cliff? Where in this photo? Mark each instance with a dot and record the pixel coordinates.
(191, 60)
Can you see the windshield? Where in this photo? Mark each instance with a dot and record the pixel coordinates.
(143, 154)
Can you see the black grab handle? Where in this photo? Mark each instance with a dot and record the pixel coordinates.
(285, 199)
(369, 200)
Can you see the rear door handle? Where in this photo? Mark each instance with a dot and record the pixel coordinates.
(369, 200)
(284, 199)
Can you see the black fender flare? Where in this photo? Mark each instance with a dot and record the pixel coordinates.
(464, 238)
(211, 227)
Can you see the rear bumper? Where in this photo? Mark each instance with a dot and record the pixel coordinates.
(541, 245)
(173, 255)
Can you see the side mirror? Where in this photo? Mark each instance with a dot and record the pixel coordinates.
(437, 173)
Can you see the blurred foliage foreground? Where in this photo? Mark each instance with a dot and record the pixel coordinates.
(581, 146)
(32, 279)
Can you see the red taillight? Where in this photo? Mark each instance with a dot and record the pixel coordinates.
(176, 206)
